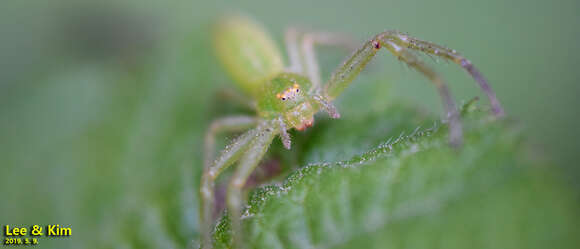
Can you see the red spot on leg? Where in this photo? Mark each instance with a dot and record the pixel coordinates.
(376, 44)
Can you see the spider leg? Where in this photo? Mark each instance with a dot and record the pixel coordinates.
(228, 156)
(284, 136)
(354, 65)
(248, 162)
(226, 124)
(291, 39)
(309, 40)
(327, 106)
(455, 130)
(346, 73)
(307, 53)
(403, 40)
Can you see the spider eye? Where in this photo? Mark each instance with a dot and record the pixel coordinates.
(297, 90)
(283, 98)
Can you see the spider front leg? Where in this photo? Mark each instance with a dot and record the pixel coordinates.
(403, 40)
(248, 162)
(354, 65)
(228, 156)
(226, 124)
(320, 38)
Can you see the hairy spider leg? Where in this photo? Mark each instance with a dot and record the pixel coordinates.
(346, 73)
(309, 40)
(403, 40)
(455, 130)
(248, 162)
(291, 40)
(303, 59)
(227, 157)
(284, 136)
(327, 106)
(225, 124)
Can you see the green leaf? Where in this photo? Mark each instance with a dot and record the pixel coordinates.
(413, 191)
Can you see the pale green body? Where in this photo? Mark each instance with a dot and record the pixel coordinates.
(254, 62)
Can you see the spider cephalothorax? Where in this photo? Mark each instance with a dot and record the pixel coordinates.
(287, 98)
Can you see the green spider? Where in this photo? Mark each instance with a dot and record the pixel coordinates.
(288, 97)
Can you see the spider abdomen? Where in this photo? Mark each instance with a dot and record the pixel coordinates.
(247, 52)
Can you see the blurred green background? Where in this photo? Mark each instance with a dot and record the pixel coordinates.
(103, 104)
